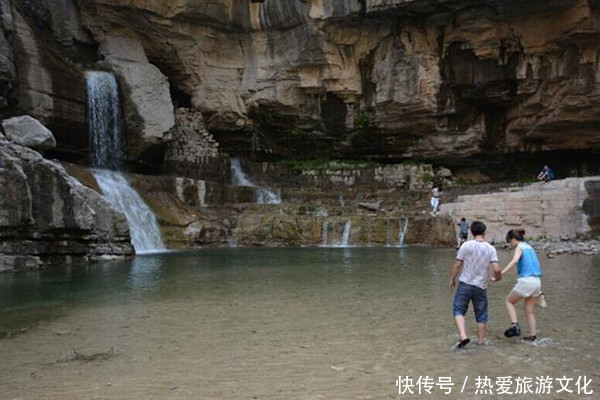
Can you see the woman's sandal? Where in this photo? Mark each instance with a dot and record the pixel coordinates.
(532, 338)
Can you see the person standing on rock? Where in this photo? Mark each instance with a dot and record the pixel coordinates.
(528, 287)
(463, 233)
(474, 258)
(435, 200)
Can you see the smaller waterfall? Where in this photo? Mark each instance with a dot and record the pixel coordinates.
(239, 178)
(387, 233)
(402, 231)
(145, 233)
(346, 234)
(325, 233)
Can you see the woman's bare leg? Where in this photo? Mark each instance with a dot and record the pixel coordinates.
(511, 299)
(530, 304)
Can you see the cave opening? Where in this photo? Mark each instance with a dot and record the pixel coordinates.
(333, 114)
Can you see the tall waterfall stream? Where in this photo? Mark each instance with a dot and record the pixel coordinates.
(104, 123)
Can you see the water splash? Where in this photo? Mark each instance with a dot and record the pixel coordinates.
(104, 121)
(145, 233)
(239, 178)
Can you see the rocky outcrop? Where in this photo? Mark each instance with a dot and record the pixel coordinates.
(29, 132)
(195, 213)
(558, 209)
(7, 62)
(50, 86)
(47, 217)
(402, 79)
(192, 151)
(145, 93)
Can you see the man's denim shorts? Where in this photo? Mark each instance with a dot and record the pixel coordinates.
(466, 293)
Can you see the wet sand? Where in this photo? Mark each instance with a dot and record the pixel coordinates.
(281, 324)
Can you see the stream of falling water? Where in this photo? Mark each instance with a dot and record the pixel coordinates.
(104, 123)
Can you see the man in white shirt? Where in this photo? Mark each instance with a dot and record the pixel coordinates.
(474, 258)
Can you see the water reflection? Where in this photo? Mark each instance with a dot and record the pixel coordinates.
(145, 273)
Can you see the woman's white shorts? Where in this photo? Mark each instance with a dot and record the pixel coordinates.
(529, 286)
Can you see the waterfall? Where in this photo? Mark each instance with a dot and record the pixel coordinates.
(104, 125)
(387, 232)
(402, 232)
(239, 178)
(325, 232)
(346, 234)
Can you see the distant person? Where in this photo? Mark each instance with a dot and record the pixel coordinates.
(546, 174)
(435, 200)
(475, 258)
(528, 287)
(463, 233)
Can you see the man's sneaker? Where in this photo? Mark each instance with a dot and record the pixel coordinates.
(542, 301)
(514, 330)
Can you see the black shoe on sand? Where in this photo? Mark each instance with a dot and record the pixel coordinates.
(462, 344)
(514, 330)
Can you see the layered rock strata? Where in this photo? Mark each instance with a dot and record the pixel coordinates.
(387, 79)
(47, 217)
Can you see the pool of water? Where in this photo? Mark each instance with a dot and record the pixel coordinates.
(283, 324)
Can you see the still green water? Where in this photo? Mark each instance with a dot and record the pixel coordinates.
(283, 324)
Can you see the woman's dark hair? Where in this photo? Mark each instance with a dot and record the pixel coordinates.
(518, 234)
(477, 228)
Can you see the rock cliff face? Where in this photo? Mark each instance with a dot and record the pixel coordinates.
(47, 217)
(434, 79)
(388, 79)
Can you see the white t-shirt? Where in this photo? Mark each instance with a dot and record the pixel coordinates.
(476, 257)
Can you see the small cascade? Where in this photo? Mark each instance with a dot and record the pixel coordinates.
(402, 232)
(346, 234)
(145, 233)
(104, 125)
(239, 178)
(325, 233)
(388, 234)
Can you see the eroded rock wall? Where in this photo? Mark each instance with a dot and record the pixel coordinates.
(421, 78)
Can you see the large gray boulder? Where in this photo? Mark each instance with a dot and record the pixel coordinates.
(47, 217)
(27, 131)
(149, 112)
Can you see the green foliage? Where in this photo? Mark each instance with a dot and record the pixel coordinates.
(427, 177)
(363, 127)
(362, 123)
(320, 164)
(413, 161)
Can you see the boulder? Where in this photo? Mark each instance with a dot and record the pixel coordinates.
(47, 217)
(149, 112)
(560, 208)
(27, 131)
